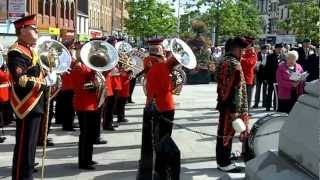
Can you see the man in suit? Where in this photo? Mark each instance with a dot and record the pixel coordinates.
(262, 61)
(270, 72)
(308, 59)
(27, 100)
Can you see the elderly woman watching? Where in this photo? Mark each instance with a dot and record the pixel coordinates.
(289, 88)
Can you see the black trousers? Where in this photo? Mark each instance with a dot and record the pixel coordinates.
(43, 124)
(260, 83)
(223, 152)
(64, 109)
(87, 121)
(108, 109)
(285, 105)
(97, 123)
(27, 133)
(270, 91)
(165, 128)
(121, 103)
(132, 86)
(249, 95)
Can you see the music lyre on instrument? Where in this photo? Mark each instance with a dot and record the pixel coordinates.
(99, 56)
(53, 57)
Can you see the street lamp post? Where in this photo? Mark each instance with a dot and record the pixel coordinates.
(178, 20)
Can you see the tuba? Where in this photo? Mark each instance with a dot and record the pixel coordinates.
(185, 58)
(99, 56)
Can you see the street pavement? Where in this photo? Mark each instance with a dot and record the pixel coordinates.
(118, 160)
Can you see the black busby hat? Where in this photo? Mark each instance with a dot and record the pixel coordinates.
(306, 40)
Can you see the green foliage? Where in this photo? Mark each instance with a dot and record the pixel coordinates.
(304, 20)
(148, 18)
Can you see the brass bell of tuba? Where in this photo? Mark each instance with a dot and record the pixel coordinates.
(99, 56)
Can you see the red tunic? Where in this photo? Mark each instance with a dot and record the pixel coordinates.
(84, 100)
(108, 84)
(4, 86)
(125, 83)
(159, 87)
(67, 79)
(248, 63)
(149, 61)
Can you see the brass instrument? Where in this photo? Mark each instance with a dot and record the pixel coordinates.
(53, 57)
(184, 57)
(99, 56)
(128, 57)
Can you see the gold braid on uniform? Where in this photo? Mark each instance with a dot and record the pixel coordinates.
(23, 80)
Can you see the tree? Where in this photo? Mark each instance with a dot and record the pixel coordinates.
(303, 21)
(234, 18)
(149, 18)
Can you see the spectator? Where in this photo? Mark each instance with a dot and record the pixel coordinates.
(288, 90)
(270, 72)
(261, 63)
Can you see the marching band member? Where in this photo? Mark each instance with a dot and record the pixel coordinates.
(64, 100)
(86, 106)
(232, 102)
(27, 97)
(124, 93)
(4, 97)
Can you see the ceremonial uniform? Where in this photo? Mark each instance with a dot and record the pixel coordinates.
(113, 86)
(64, 103)
(232, 103)
(248, 63)
(124, 93)
(27, 100)
(4, 98)
(85, 103)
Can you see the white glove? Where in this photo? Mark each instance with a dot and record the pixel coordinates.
(51, 79)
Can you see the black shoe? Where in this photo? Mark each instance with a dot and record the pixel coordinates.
(131, 102)
(2, 139)
(93, 163)
(86, 167)
(109, 128)
(35, 170)
(232, 168)
(255, 106)
(123, 120)
(100, 141)
(115, 124)
(267, 109)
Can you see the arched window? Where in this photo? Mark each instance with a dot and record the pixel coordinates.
(40, 6)
(54, 8)
(62, 9)
(67, 10)
(47, 8)
(72, 11)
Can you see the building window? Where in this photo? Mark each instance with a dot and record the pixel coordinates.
(54, 8)
(47, 8)
(72, 11)
(67, 10)
(40, 7)
(62, 9)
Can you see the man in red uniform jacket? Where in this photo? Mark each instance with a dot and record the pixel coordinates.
(4, 97)
(248, 63)
(85, 103)
(124, 93)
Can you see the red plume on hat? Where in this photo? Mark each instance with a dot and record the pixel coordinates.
(25, 21)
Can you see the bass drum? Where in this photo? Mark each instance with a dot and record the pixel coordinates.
(264, 134)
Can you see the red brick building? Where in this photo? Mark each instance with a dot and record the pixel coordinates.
(60, 14)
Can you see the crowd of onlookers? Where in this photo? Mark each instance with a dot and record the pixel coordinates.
(275, 73)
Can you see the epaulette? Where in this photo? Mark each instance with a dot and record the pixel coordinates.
(21, 49)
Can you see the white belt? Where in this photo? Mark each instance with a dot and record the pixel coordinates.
(5, 85)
